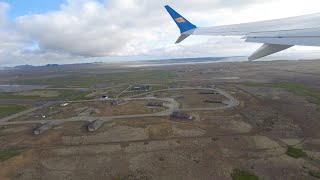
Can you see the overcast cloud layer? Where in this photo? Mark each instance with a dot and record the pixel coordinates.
(89, 30)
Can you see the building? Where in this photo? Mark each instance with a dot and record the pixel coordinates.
(95, 125)
(64, 104)
(140, 88)
(155, 104)
(43, 128)
(181, 115)
(209, 92)
(217, 100)
(118, 102)
(105, 97)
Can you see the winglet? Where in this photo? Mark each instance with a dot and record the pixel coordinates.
(182, 37)
(183, 24)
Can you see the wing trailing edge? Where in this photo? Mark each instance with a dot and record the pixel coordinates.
(268, 49)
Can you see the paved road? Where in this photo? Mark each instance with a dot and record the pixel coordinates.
(208, 79)
(171, 104)
(8, 118)
(118, 95)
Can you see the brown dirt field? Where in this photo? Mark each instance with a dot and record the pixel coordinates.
(9, 168)
(160, 130)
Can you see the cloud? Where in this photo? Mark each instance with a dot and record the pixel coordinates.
(116, 28)
(11, 41)
(90, 29)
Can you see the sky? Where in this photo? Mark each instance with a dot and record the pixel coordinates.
(76, 31)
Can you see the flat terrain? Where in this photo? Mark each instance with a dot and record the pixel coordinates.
(267, 125)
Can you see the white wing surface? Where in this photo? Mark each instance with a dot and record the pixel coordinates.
(276, 35)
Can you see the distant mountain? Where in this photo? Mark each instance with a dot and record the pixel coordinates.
(26, 66)
(157, 61)
(191, 60)
(50, 65)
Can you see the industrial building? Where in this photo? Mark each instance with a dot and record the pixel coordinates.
(95, 125)
(209, 92)
(140, 88)
(43, 128)
(181, 115)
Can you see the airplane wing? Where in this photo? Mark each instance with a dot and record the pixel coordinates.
(277, 35)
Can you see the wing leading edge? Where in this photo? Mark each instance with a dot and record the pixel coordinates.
(276, 35)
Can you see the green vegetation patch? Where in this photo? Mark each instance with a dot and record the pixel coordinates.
(298, 89)
(9, 153)
(13, 96)
(315, 174)
(91, 80)
(65, 94)
(295, 152)
(79, 96)
(238, 174)
(9, 109)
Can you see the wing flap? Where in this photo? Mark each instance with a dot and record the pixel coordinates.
(311, 32)
(303, 41)
(268, 49)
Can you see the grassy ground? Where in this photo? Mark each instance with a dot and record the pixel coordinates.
(88, 81)
(243, 175)
(63, 95)
(295, 152)
(298, 89)
(9, 153)
(9, 109)
(13, 96)
(72, 95)
(315, 174)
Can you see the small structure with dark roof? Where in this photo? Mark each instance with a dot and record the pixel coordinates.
(95, 125)
(140, 88)
(43, 128)
(181, 115)
(155, 104)
(105, 97)
(209, 92)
